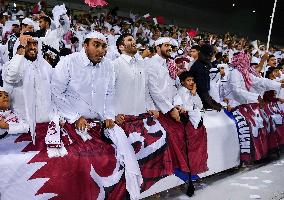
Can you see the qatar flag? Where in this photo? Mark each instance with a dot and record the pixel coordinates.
(95, 3)
(159, 20)
(192, 32)
(37, 8)
(89, 169)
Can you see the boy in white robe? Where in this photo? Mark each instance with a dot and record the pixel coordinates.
(188, 99)
(10, 122)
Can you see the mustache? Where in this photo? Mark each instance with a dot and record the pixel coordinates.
(32, 49)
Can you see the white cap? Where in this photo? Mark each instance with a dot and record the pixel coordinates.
(97, 35)
(162, 40)
(16, 22)
(5, 14)
(126, 22)
(174, 42)
(2, 89)
(28, 21)
(20, 12)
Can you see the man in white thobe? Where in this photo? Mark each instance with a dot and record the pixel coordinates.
(83, 84)
(131, 91)
(27, 26)
(27, 78)
(241, 83)
(161, 85)
(83, 88)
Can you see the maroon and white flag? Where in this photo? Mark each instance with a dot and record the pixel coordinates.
(96, 3)
(90, 169)
(260, 130)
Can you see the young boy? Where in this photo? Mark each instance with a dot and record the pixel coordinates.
(10, 123)
(188, 99)
(196, 136)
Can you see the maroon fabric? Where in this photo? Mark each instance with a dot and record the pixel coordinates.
(270, 137)
(197, 148)
(158, 164)
(273, 141)
(280, 132)
(69, 176)
(269, 96)
(176, 142)
(259, 144)
(279, 128)
(180, 60)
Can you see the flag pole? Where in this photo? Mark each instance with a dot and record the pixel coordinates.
(270, 29)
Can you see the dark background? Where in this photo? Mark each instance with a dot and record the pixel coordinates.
(218, 16)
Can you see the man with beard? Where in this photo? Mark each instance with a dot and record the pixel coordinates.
(200, 71)
(44, 25)
(271, 61)
(162, 90)
(27, 76)
(131, 92)
(161, 85)
(243, 86)
(83, 88)
(27, 28)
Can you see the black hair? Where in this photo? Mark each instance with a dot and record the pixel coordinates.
(155, 47)
(218, 55)
(185, 75)
(87, 40)
(270, 56)
(197, 47)
(269, 71)
(120, 40)
(74, 40)
(65, 52)
(46, 19)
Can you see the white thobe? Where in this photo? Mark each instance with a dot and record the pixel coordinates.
(161, 85)
(29, 86)
(4, 57)
(238, 93)
(111, 39)
(81, 89)
(131, 91)
(185, 99)
(218, 88)
(192, 104)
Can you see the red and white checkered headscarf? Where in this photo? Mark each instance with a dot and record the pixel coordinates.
(241, 62)
(173, 69)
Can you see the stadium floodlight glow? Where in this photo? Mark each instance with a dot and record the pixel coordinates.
(253, 11)
(234, 5)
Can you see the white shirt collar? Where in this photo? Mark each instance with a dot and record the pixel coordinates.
(84, 57)
(184, 90)
(127, 58)
(85, 60)
(160, 59)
